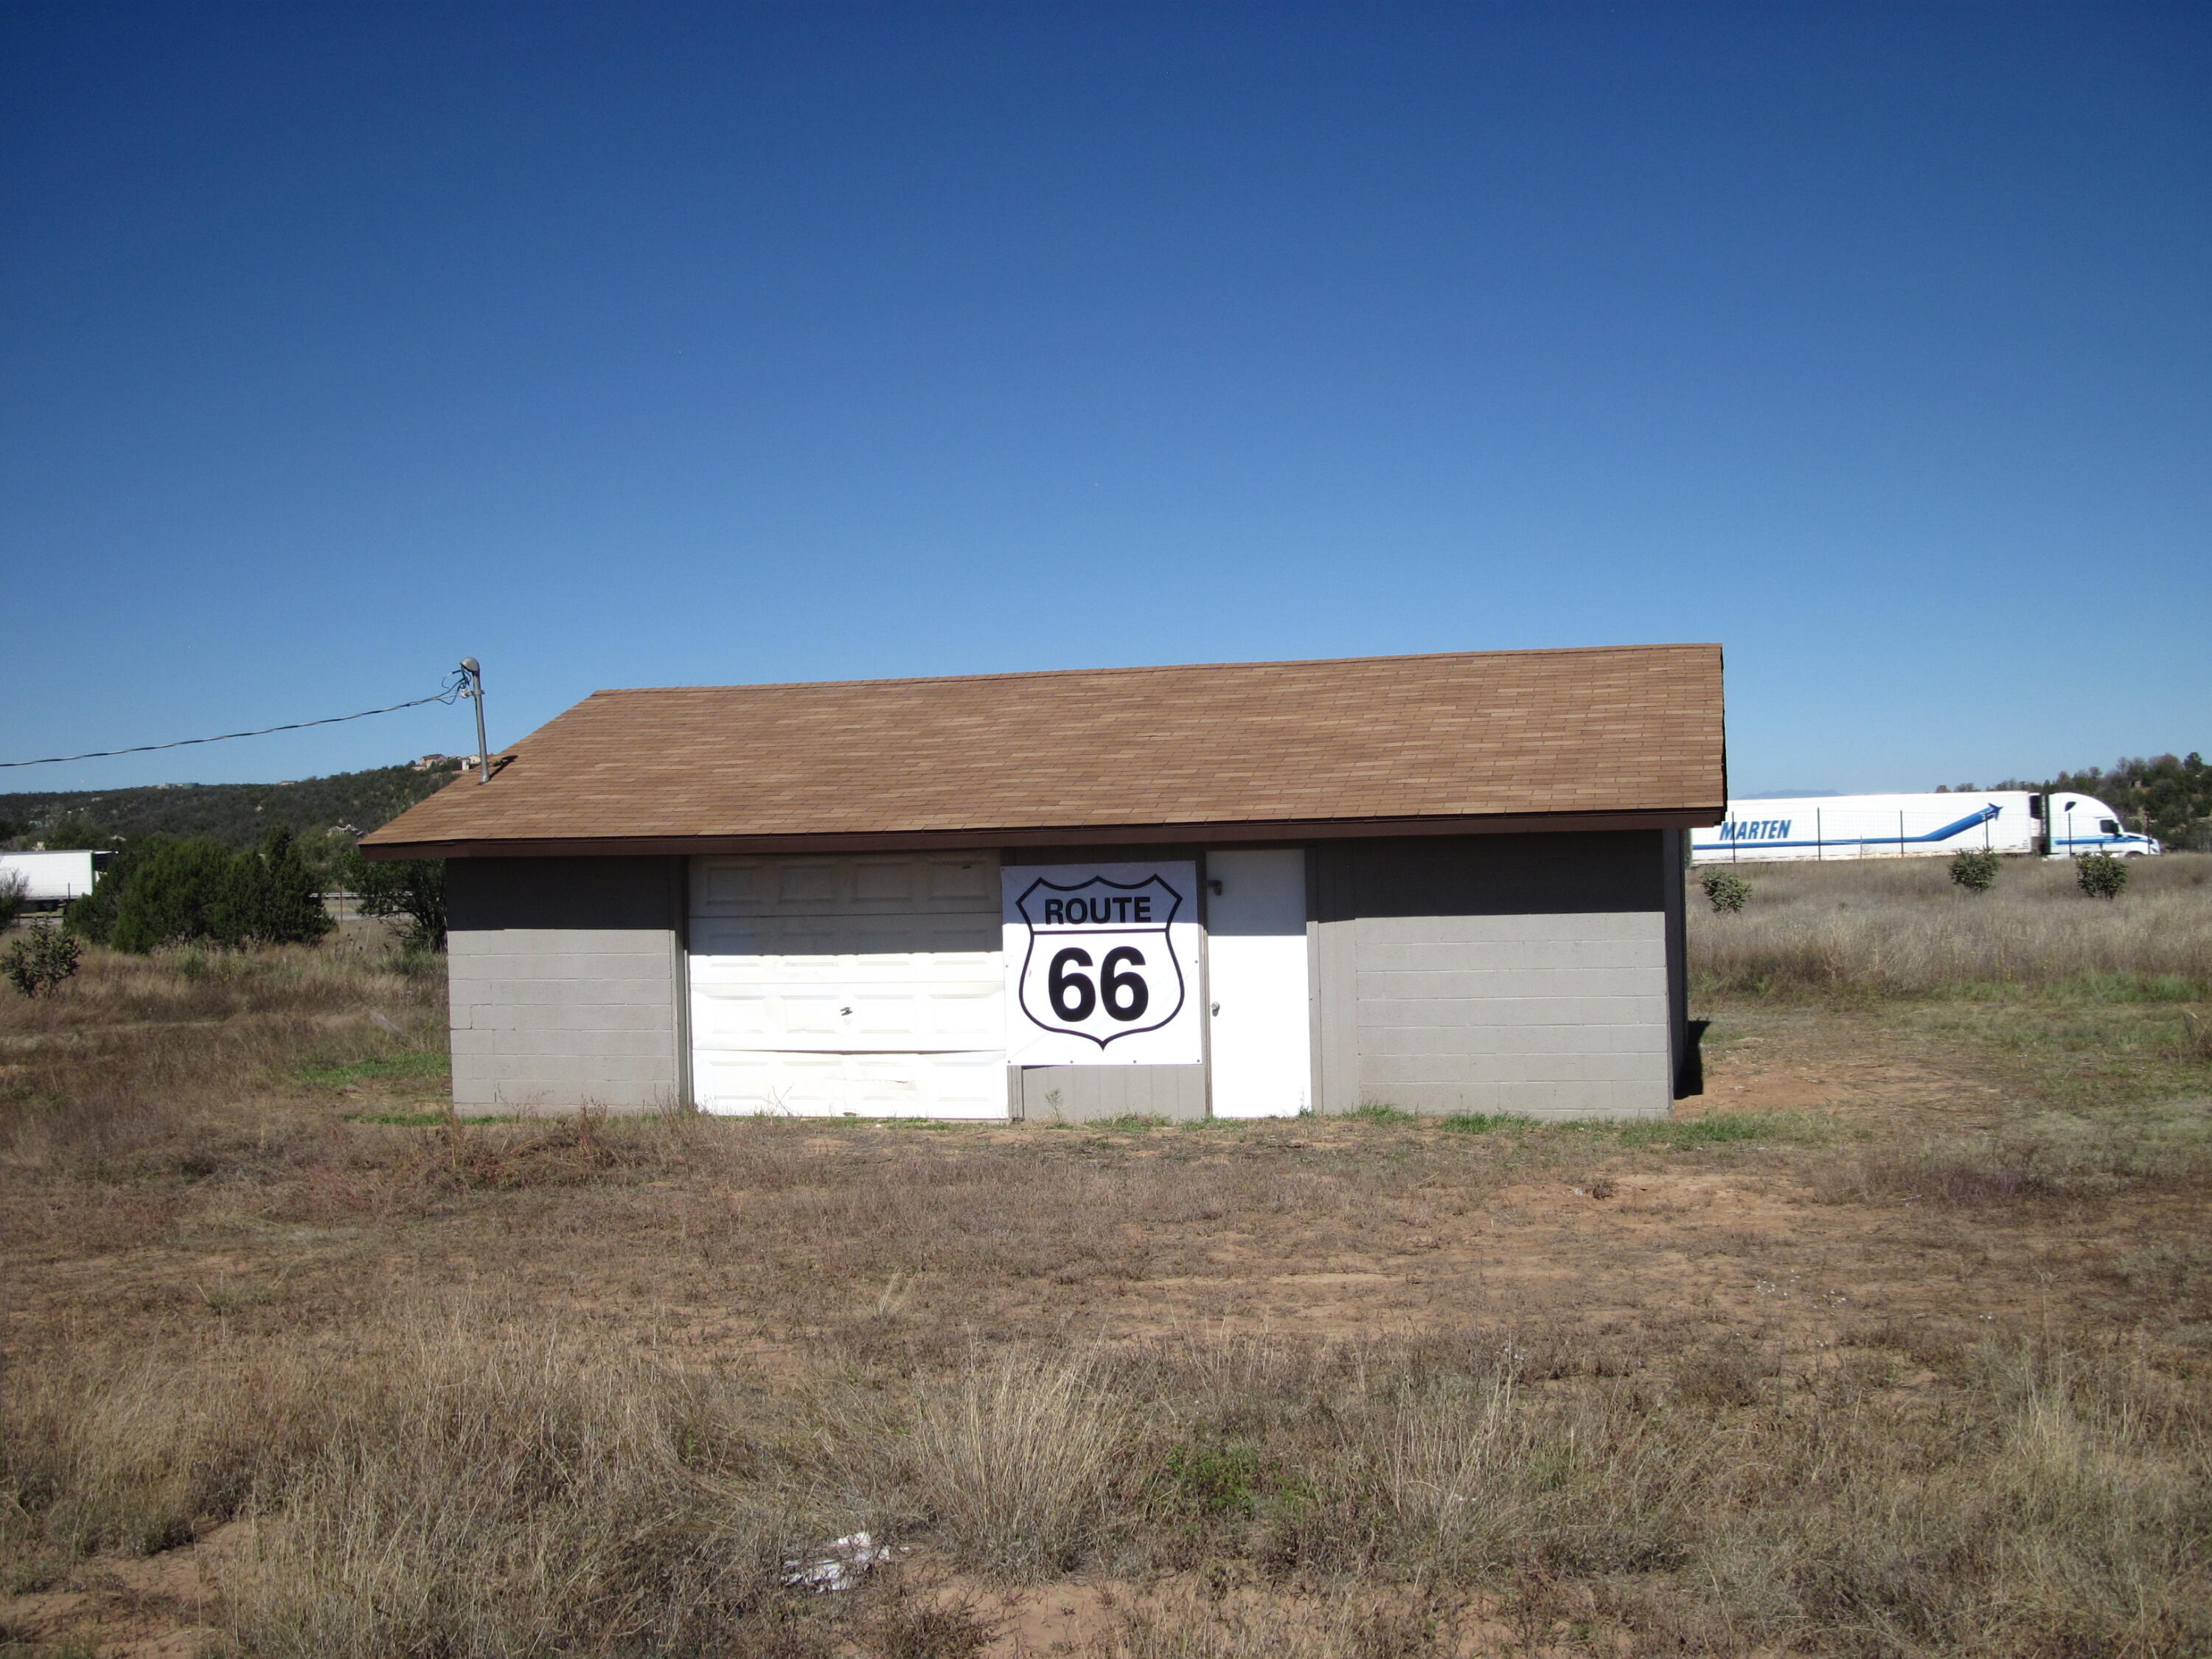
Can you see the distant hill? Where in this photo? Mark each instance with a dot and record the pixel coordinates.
(236, 814)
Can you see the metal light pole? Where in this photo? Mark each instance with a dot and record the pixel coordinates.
(474, 669)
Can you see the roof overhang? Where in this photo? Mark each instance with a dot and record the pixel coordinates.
(1071, 835)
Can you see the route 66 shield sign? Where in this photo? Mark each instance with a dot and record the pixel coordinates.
(1102, 965)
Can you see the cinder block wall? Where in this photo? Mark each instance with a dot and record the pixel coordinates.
(1527, 975)
(565, 977)
(1084, 1094)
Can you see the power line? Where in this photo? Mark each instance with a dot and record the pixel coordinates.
(453, 692)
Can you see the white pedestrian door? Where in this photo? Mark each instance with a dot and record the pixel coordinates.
(1260, 1043)
(867, 986)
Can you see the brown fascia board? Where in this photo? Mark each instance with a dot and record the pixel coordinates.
(1083, 834)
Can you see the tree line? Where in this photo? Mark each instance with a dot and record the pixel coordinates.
(236, 864)
(322, 813)
(2168, 796)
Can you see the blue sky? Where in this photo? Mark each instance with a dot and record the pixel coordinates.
(663, 344)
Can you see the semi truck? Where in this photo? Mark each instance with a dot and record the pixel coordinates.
(49, 880)
(2062, 824)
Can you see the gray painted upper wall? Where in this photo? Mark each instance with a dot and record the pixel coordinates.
(1613, 870)
(1140, 853)
(588, 894)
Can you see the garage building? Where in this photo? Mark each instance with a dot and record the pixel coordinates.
(1447, 883)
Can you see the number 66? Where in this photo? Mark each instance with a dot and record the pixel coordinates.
(1073, 997)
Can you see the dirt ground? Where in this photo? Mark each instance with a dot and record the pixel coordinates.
(894, 1248)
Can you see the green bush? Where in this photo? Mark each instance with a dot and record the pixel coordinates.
(11, 900)
(1976, 872)
(173, 893)
(181, 892)
(1724, 889)
(279, 900)
(37, 964)
(2100, 875)
(92, 916)
(413, 887)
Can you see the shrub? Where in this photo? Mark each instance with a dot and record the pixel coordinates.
(277, 903)
(1014, 1461)
(92, 916)
(37, 965)
(11, 899)
(1975, 871)
(2100, 875)
(413, 887)
(185, 891)
(1726, 890)
(172, 894)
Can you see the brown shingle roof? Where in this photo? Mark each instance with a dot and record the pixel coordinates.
(1366, 743)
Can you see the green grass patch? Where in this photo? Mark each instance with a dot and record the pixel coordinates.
(381, 1068)
(1720, 1129)
(1377, 1111)
(1212, 1481)
(1483, 1123)
(2086, 1055)
(1733, 1128)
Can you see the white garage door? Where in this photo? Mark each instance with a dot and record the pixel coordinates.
(862, 985)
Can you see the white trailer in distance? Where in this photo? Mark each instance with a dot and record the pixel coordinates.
(49, 880)
(2067, 825)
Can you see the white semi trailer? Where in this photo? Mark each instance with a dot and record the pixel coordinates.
(51, 880)
(2063, 825)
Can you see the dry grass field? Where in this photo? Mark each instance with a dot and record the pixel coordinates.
(1898, 1340)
